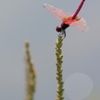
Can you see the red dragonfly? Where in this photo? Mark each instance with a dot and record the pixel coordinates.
(67, 19)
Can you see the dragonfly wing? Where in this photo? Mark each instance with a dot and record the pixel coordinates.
(57, 12)
(81, 25)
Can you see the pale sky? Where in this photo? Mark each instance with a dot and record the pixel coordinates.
(22, 20)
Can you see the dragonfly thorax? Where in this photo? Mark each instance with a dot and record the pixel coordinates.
(64, 26)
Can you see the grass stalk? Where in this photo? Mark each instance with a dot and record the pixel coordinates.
(59, 76)
(30, 74)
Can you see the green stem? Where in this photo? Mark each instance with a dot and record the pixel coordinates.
(59, 71)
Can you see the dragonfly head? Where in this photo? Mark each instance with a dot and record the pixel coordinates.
(58, 29)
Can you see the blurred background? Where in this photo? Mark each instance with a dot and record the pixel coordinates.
(22, 20)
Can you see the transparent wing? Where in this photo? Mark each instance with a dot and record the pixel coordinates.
(81, 25)
(57, 12)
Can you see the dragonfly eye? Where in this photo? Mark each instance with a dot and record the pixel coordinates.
(58, 29)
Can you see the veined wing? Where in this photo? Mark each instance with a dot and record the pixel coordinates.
(81, 25)
(61, 15)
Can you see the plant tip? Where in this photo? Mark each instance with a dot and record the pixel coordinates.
(26, 42)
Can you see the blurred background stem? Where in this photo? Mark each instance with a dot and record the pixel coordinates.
(30, 74)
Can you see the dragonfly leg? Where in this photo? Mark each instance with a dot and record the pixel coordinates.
(62, 34)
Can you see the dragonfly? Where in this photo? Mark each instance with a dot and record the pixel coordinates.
(68, 19)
